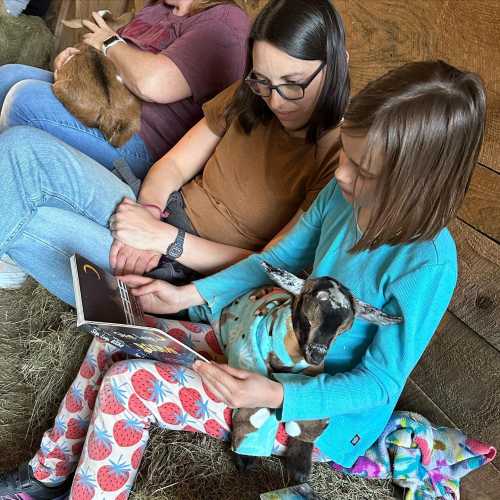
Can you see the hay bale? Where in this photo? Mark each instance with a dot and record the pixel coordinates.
(25, 40)
(42, 351)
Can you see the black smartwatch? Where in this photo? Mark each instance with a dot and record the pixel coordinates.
(175, 249)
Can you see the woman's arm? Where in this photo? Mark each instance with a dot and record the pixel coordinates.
(186, 159)
(151, 77)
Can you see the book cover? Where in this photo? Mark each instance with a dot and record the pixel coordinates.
(107, 309)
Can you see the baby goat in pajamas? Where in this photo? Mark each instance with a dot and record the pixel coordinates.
(287, 329)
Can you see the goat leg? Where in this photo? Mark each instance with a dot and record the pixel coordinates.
(244, 463)
(299, 460)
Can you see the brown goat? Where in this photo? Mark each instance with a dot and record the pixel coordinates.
(90, 88)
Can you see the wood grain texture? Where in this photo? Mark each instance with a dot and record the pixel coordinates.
(476, 300)
(383, 34)
(481, 208)
(82, 9)
(460, 372)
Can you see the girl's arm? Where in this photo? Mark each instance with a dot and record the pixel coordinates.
(186, 159)
(381, 374)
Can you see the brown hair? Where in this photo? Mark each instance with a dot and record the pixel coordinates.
(425, 122)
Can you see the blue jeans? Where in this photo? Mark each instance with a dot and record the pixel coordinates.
(26, 98)
(54, 201)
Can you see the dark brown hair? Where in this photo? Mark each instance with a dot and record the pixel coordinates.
(305, 29)
(425, 122)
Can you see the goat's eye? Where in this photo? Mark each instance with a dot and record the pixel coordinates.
(323, 295)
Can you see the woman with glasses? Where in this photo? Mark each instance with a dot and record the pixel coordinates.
(265, 148)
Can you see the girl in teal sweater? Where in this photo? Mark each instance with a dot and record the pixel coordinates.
(410, 141)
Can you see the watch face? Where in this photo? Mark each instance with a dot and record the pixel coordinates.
(174, 251)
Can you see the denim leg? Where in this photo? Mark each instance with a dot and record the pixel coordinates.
(10, 74)
(32, 102)
(54, 201)
(47, 242)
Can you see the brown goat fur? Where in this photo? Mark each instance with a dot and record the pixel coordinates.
(88, 87)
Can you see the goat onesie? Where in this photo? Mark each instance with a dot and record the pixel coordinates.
(89, 87)
(288, 329)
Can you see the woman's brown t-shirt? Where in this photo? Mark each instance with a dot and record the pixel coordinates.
(252, 185)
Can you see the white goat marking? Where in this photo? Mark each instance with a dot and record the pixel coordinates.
(292, 429)
(259, 417)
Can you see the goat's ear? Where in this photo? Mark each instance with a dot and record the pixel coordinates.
(73, 23)
(284, 279)
(373, 315)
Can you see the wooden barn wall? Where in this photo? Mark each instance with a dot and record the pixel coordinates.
(456, 382)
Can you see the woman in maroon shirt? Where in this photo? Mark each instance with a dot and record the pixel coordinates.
(174, 55)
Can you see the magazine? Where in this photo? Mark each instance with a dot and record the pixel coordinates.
(107, 309)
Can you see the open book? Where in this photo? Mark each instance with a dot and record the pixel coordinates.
(106, 309)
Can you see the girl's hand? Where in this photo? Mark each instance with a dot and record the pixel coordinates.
(124, 259)
(136, 226)
(99, 32)
(160, 297)
(240, 388)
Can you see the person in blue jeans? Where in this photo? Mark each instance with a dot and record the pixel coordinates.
(174, 55)
(410, 141)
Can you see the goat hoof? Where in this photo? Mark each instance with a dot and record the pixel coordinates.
(299, 461)
(244, 463)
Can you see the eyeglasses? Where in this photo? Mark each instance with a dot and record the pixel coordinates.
(289, 91)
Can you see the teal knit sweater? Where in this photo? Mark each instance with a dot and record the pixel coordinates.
(367, 367)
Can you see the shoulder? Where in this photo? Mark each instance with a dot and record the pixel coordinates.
(432, 263)
(440, 251)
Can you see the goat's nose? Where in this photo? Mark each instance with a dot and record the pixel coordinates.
(315, 354)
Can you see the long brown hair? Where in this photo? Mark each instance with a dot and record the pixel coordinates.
(425, 122)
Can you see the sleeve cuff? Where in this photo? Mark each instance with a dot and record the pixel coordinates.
(294, 396)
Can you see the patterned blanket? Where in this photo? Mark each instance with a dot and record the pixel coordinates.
(428, 461)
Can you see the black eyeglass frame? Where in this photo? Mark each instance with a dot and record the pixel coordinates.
(278, 87)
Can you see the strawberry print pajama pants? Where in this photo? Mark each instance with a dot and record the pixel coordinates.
(104, 420)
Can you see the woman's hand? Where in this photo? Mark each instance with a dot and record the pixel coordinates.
(160, 297)
(99, 32)
(136, 226)
(240, 388)
(124, 259)
(62, 58)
